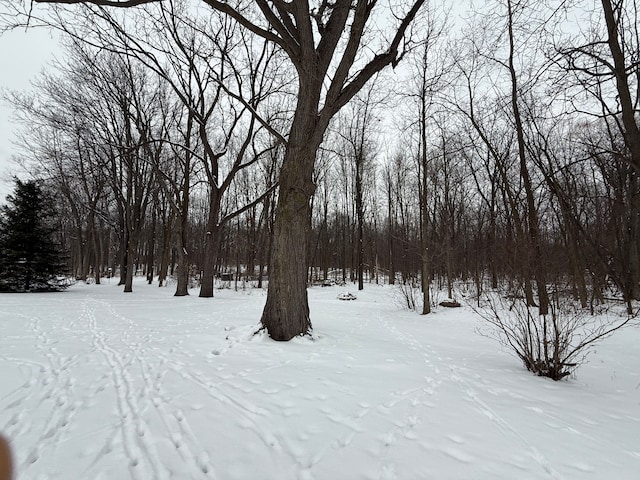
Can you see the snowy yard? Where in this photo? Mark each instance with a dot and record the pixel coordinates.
(97, 384)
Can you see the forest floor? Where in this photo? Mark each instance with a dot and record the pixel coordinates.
(97, 384)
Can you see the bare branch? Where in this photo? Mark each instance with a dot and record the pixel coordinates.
(103, 3)
(240, 211)
(223, 7)
(391, 57)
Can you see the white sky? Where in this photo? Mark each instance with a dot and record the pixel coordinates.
(23, 54)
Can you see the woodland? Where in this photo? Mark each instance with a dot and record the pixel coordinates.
(296, 143)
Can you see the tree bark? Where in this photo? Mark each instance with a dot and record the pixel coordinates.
(286, 313)
(212, 242)
(182, 284)
(360, 217)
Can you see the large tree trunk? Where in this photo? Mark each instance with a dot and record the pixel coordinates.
(212, 242)
(209, 264)
(286, 313)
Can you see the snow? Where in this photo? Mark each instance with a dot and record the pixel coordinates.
(98, 384)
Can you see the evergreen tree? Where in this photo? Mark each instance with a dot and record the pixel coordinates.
(30, 259)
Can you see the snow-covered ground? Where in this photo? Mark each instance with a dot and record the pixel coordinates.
(97, 384)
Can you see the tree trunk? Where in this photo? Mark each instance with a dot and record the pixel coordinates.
(166, 249)
(212, 241)
(491, 247)
(360, 219)
(131, 252)
(151, 247)
(533, 247)
(390, 231)
(124, 257)
(632, 272)
(423, 182)
(98, 249)
(425, 264)
(575, 265)
(449, 257)
(286, 313)
(182, 284)
(631, 131)
(263, 237)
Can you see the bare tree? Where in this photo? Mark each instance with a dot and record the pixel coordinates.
(325, 45)
(608, 59)
(107, 112)
(603, 63)
(359, 149)
(428, 75)
(503, 40)
(57, 142)
(222, 75)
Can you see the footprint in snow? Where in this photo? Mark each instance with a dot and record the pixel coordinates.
(413, 421)
(388, 439)
(388, 472)
(203, 462)
(347, 439)
(176, 439)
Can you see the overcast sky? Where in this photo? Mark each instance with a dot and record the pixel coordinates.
(22, 56)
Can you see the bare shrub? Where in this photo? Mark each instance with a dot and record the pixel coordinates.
(436, 296)
(551, 345)
(407, 295)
